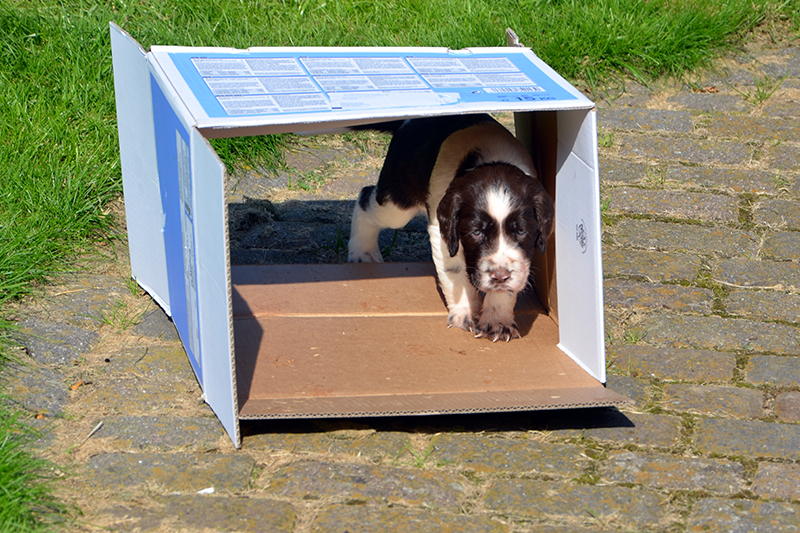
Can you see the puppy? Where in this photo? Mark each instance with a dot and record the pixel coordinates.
(487, 213)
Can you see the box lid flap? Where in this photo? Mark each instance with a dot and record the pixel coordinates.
(280, 89)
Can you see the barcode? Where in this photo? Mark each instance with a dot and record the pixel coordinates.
(529, 89)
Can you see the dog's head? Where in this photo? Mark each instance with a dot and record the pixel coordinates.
(500, 216)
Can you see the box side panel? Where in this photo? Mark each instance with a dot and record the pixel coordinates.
(538, 133)
(578, 248)
(213, 283)
(143, 212)
(173, 149)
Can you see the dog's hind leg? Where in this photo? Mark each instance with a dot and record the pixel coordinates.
(369, 218)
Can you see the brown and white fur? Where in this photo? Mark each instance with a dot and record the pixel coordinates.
(487, 211)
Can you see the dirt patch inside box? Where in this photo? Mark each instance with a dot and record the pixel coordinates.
(317, 337)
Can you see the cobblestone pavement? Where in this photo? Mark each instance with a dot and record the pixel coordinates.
(700, 189)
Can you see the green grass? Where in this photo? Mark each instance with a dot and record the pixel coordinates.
(58, 153)
(59, 163)
(26, 499)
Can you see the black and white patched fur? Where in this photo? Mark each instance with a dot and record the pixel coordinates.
(487, 211)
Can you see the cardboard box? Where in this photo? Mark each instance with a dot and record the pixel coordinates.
(352, 340)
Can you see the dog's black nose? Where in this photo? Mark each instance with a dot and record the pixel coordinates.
(500, 275)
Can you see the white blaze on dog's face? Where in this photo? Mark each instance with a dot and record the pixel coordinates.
(500, 216)
(501, 264)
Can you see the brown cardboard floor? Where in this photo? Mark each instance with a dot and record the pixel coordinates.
(316, 340)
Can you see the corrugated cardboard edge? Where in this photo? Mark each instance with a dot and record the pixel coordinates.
(448, 403)
(222, 399)
(237, 441)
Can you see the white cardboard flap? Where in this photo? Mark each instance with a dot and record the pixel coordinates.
(213, 283)
(272, 90)
(578, 246)
(143, 210)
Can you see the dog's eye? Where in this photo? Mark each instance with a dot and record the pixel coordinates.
(521, 233)
(477, 233)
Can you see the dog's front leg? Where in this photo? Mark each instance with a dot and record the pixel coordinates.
(463, 300)
(496, 320)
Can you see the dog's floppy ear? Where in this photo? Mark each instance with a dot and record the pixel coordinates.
(545, 215)
(447, 215)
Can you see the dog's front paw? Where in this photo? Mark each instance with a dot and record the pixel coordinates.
(496, 331)
(461, 320)
(373, 256)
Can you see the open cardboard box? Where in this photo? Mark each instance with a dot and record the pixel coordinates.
(300, 341)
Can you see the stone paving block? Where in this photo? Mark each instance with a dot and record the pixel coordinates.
(784, 246)
(777, 212)
(676, 204)
(631, 95)
(764, 305)
(621, 118)
(787, 406)
(624, 293)
(711, 400)
(789, 59)
(368, 443)
(304, 157)
(230, 514)
(672, 472)
(616, 171)
(628, 428)
(781, 371)
(735, 180)
(781, 108)
(535, 498)
(173, 472)
(710, 102)
(300, 442)
(162, 433)
(748, 438)
(53, 343)
(155, 324)
(485, 454)
(39, 433)
(348, 189)
(730, 76)
(776, 70)
(378, 446)
(369, 519)
(151, 360)
(653, 266)
(403, 486)
(785, 157)
(40, 390)
(672, 363)
(84, 300)
(749, 127)
(565, 526)
(716, 333)
(665, 236)
(697, 151)
(758, 274)
(135, 395)
(636, 389)
(743, 516)
(777, 481)
(203, 513)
